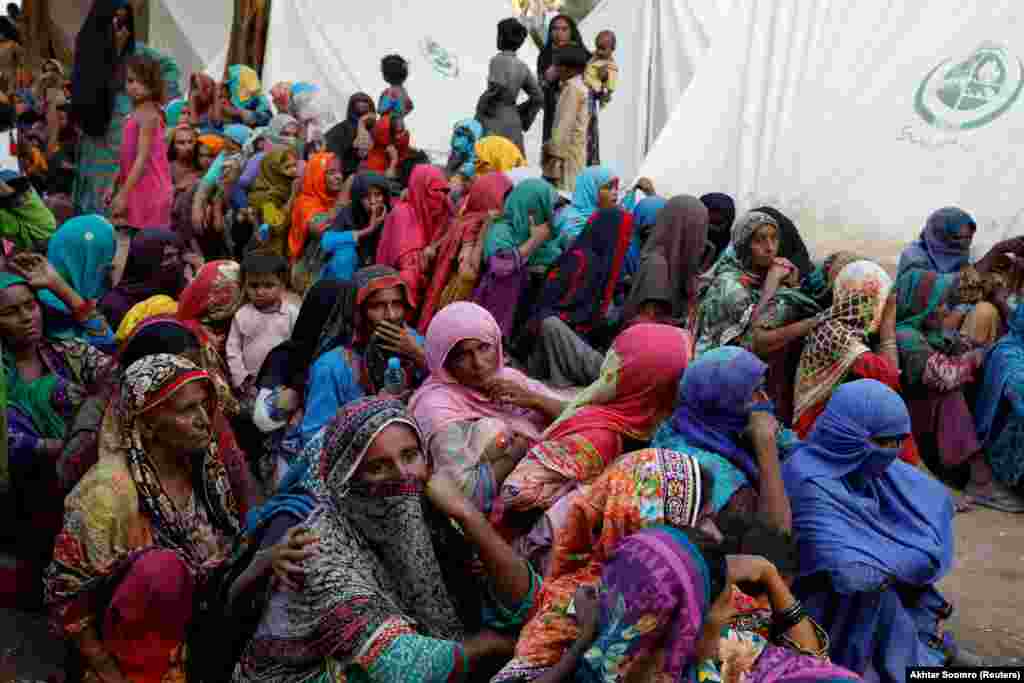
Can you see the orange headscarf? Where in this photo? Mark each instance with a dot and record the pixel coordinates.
(315, 198)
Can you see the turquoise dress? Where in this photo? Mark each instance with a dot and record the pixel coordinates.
(98, 157)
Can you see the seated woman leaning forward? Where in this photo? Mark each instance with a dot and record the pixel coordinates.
(753, 301)
(390, 595)
(614, 415)
(875, 535)
(478, 415)
(944, 248)
(686, 626)
(138, 535)
(940, 368)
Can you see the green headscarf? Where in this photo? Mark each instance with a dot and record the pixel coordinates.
(919, 293)
(531, 197)
(29, 224)
(34, 399)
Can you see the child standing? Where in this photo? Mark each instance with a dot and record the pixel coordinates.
(602, 74)
(394, 100)
(145, 192)
(566, 153)
(264, 322)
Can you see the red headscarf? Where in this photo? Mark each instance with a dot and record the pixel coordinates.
(486, 194)
(315, 198)
(377, 158)
(415, 223)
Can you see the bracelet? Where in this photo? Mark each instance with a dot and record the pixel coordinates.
(787, 619)
(888, 344)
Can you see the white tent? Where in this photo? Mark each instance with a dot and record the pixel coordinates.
(857, 119)
(195, 32)
(660, 43)
(339, 45)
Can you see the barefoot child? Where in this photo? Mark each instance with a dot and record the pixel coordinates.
(145, 191)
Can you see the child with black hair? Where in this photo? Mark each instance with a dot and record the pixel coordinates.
(265, 321)
(394, 100)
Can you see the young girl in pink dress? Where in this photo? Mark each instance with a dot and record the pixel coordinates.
(145, 190)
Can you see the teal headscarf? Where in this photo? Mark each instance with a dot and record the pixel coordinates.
(589, 182)
(918, 294)
(530, 198)
(172, 112)
(31, 398)
(82, 252)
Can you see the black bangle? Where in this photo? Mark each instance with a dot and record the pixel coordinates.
(786, 619)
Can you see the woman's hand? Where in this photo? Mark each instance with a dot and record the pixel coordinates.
(427, 256)
(400, 340)
(889, 314)
(288, 400)
(447, 496)
(288, 555)
(646, 186)
(588, 612)
(37, 270)
(762, 427)
(508, 391)
(752, 569)
(540, 232)
(469, 267)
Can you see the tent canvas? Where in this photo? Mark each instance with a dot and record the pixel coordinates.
(660, 43)
(448, 45)
(173, 29)
(858, 120)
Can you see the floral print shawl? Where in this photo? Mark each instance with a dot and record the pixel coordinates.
(120, 507)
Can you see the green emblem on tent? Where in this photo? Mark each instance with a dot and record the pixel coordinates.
(972, 92)
(444, 61)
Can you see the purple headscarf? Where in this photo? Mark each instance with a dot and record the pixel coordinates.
(938, 247)
(714, 404)
(855, 503)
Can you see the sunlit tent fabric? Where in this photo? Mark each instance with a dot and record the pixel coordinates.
(339, 45)
(660, 43)
(857, 119)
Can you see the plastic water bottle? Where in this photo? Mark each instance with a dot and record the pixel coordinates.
(394, 377)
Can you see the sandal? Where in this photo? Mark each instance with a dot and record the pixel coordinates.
(1001, 499)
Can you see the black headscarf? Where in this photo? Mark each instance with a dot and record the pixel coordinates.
(546, 59)
(98, 75)
(511, 35)
(8, 31)
(355, 216)
(720, 235)
(341, 137)
(163, 336)
(320, 317)
(791, 244)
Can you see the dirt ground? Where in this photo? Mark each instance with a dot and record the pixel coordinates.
(986, 586)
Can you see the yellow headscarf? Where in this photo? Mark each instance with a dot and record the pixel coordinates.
(161, 304)
(495, 153)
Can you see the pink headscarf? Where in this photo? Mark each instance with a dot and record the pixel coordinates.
(416, 222)
(442, 400)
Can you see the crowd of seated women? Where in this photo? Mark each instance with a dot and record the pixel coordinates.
(342, 423)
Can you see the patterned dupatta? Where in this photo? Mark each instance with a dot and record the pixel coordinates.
(859, 295)
(385, 563)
